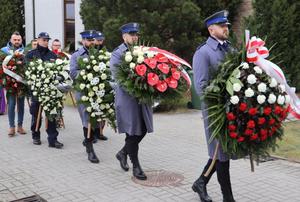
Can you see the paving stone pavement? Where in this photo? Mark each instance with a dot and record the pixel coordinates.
(177, 145)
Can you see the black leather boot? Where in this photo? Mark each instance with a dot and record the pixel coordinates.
(99, 136)
(122, 157)
(90, 151)
(199, 186)
(137, 171)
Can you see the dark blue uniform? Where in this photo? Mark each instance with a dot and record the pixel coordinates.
(46, 55)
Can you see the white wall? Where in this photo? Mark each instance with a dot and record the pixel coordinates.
(49, 17)
(79, 27)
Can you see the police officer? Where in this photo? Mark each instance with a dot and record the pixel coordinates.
(42, 52)
(83, 52)
(99, 40)
(133, 118)
(205, 61)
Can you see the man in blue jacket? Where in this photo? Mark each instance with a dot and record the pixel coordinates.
(15, 46)
(205, 61)
(44, 53)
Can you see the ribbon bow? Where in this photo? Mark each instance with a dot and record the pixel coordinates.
(256, 54)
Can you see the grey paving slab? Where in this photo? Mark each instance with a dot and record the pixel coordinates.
(177, 145)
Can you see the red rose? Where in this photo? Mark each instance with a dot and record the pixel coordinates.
(261, 121)
(271, 121)
(164, 68)
(161, 86)
(233, 135)
(254, 136)
(161, 58)
(263, 132)
(172, 83)
(231, 127)
(248, 132)
(151, 62)
(267, 110)
(252, 111)
(231, 116)
(152, 79)
(273, 129)
(141, 69)
(277, 110)
(263, 137)
(241, 139)
(251, 124)
(175, 73)
(243, 106)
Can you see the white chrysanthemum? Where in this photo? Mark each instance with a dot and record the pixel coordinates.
(90, 76)
(45, 108)
(102, 66)
(100, 93)
(280, 99)
(89, 109)
(237, 87)
(33, 77)
(102, 106)
(128, 53)
(95, 88)
(40, 68)
(34, 93)
(107, 63)
(31, 64)
(91, 94)
(92, 57)
(135, 52)
(262, 87)
(85, 60)
(94, 62)
(103, 76)
(273, 83)
(261, 99)
(108, 54)
(140, 59)
(38, 84)
(100, 57)
(107, 106)
(282, 87)
(95, 81)
(272, 98)
(258, 70)
(82, 86)
(96, 68)
(93, 114)
(132, 65)
(128, 58)
(43, 76)
(99, 100)
(234, 99)
(110, 111)
(287, 99)
(39, 61)
(245, 65)
(249, 92)
(84, 98)
(251, 79)
(101, 86)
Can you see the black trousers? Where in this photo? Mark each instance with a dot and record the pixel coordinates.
(131, 146)
(51, 130)
(223, 175)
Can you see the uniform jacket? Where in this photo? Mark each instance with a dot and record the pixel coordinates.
(133, 118)
(205, 61)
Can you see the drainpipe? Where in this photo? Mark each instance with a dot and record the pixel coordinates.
(33, 17)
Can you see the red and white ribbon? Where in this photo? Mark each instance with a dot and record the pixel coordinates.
(256, 53)
(171, 56)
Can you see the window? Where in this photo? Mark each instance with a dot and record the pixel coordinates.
(69, 15)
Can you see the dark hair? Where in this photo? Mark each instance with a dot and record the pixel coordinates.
(16, 33)
(55, 40)
(33, 40)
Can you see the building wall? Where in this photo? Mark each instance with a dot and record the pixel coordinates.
(79, 27)
(49, 17)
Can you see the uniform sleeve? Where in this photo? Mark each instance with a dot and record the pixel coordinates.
(201, 70)
(74, 66)
(114, 62)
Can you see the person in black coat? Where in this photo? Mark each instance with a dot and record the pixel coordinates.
(42, 52)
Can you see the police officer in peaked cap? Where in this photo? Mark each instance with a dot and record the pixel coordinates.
(205, 61)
